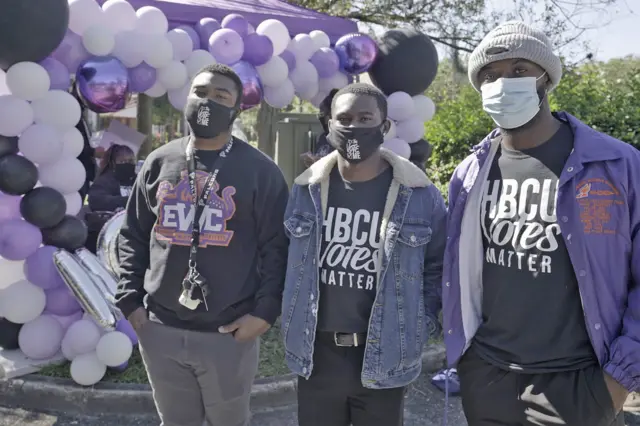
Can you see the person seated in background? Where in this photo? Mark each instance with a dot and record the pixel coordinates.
(323, 147)
(112, 187)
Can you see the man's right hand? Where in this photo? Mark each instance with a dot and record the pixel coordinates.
(138, 319)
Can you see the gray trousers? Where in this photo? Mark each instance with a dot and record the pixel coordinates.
(198, 376)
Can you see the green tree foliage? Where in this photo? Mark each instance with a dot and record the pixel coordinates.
(605, 96)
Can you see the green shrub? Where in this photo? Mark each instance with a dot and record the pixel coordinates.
(604, 96)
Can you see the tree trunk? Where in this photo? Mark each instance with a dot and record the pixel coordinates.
(144, 118)
(267, 116)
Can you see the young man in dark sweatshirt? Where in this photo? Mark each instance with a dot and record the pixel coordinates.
(199, 300)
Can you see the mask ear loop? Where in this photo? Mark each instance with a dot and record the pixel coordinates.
(546, 92)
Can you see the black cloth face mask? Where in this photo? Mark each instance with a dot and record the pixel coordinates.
(355, 144)
(207, 119)
(125, 173)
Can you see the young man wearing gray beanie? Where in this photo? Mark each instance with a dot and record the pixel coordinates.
(541, 294)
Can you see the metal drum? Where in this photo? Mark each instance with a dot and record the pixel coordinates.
(107, 247)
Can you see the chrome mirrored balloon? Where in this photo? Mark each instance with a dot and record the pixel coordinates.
(105, 280)
(108, 243)
(84, 287)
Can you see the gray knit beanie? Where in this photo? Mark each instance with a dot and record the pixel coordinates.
(515, 40)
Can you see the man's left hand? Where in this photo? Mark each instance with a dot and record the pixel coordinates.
(247, 328)
(618, 393)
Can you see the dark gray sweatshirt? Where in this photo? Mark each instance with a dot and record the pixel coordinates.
(243, 247)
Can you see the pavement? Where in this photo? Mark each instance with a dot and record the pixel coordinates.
(424, 407)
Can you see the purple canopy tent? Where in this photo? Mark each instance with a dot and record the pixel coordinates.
(297, 19)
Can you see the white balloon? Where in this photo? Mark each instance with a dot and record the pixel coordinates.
(197, 60)
(99, 40)
(181, 42)
(129, 48)
(15, 115)
(40, 339)
(82, 336)
(22, 302)
(303, 75)
(318, 98)
(28, 80)
(41, 143)
(178, 97)
(391, 134)
(304, 47)
(159, 51)
(152, 20)
(277, 33)
(156, 90)
(119, 15)
(308, 92)
(66, 175)
(337, 81)
(320, 39)
(173, 76)
(74, 203)
(400, 106)
(280, 96)
(84, 14)
(72, 143)
(398, 146)
(66, 350)
(114, 349)
(274, 72)
(424, 107)
(87, 370)
(11, 271)
(410, 130)
(58, 109)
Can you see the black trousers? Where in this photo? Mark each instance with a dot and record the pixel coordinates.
(492, 396)
(334, 395)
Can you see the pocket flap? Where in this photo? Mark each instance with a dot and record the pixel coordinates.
(414, 235)
(299, 226)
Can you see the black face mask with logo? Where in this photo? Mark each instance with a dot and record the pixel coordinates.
(355, 144)
(207, 119)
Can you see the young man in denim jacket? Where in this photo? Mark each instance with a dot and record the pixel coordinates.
(541, 300)
(362, 291)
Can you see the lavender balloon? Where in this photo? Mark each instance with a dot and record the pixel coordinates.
(58, 74)
(226, 46)
(195, 38)
(290, 59)
(237, 23)
(326, 62)
(71, 52)
(60, 301)
(356, 52)
(9, 207)
(103, 83)
(252, 91)
(41, 271)
(18, 239)
(258, 49)
(205, 28)
(141, 78)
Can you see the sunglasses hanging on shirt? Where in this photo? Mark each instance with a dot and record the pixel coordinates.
(194, 285)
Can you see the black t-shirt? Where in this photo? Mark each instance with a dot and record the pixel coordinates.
(532, 313)
(349, 252)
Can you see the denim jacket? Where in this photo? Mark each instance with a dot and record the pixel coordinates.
(408, 289)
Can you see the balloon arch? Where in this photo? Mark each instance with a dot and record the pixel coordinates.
(55, 295)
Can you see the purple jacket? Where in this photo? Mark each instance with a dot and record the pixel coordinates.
(598, 211)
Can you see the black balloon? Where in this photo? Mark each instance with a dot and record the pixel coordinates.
(17, 174)
(407, 61)
(420, 151)
(70, 234)
(8, 145)
(9, 334)
(43, 207)
(31, 29)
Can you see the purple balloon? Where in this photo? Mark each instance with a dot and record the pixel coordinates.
(356, 52)
(252, 91)
(226, 46)
(66, 321)
(71, 52)
(41, 271)
(58, 74)
(326, 62)
(60, 301)
(258, 49)
(237, 23)
(205, 28)
(195, 38)
(18, 239)
(289, 58)
(141, 78)
(9, 206)
(125, 327)
(103, 83)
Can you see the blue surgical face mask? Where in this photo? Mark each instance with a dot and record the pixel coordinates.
(511, 102)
